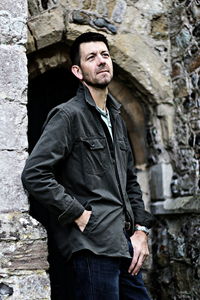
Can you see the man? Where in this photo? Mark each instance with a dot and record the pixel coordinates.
(82, 171)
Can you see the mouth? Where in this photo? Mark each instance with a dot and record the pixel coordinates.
(103, 71)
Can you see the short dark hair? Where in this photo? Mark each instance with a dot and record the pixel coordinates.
(85, 38)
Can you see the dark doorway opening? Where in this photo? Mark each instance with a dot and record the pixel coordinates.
(45, 92)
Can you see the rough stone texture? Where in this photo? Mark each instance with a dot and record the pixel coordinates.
(12, 196)
(23, 249)
(19, 10)
(176, 253)
(13, 119)
(12, 30)
(184, 36)
(155, 46)
(13, 73)
(160, 181)
(54, 56)
(23, 243)
(179, 205)
(26, 285)
(130, 50)
(53, 22)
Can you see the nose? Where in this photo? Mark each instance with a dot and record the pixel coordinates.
(100, 60)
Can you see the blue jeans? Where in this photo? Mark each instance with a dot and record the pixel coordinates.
(105, 278)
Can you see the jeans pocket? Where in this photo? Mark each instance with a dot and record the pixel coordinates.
(130, 247)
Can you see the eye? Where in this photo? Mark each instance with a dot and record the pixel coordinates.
(105, 54)
(91, 57)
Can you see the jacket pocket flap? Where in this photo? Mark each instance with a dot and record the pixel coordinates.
(94, 144)
(123, 145)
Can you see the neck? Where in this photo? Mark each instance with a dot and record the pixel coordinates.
(99, 95)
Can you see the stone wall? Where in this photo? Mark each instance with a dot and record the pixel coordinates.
(22, 240)
(176, 242)
(155, 49)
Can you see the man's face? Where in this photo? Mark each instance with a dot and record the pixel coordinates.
(95, 64)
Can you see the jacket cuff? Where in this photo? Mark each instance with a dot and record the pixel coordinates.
(144, 218)
(71, 214)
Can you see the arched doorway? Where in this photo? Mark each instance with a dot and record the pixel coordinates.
(49, 85)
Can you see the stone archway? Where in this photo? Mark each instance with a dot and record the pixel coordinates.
(142, 84)
(142, 69)
(57, 56)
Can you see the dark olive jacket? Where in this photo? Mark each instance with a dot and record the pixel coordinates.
(76, 166)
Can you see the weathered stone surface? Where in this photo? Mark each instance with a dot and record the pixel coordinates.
(23, 255)
(177, 257)
(46, 59)
(143, 51)
(13, 73)
(47, 29)
(12, 196)
(12, 30)
(183, 204)
(30, 45)
(36, 7)
(17, 226)
(119, 11)
(150, 7)
(160, 181)
(133, 114)
(159, 27)
(143, 179)
(134, 20)
(13, 120)
(180, 205)
(19, 9)
(28, 285)
(129, 51)
(165, 113)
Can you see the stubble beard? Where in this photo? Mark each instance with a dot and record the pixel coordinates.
(99, 85)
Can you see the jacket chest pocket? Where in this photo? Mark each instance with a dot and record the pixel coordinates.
(123, 150)
(94, 156)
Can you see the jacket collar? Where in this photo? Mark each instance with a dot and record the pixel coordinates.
(111, 102)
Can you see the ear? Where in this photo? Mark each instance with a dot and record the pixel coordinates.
(76, 70)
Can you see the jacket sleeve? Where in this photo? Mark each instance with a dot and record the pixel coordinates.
(141, 216)
(38, 176)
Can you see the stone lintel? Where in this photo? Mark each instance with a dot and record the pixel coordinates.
(180, 205)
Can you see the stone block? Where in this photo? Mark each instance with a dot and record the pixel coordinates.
(159, 27)
(23, 244)
(13, 73)
(47, 28)
(151, 7)
(13, 126)
(12, 196)
(27, 285)
(119, 11)
(23, 255)
(160, 181)
(12, 30)
(165, 112)
(143, 179)
(30, 45)
(15, 226)
(183, 204)
(179, 205)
